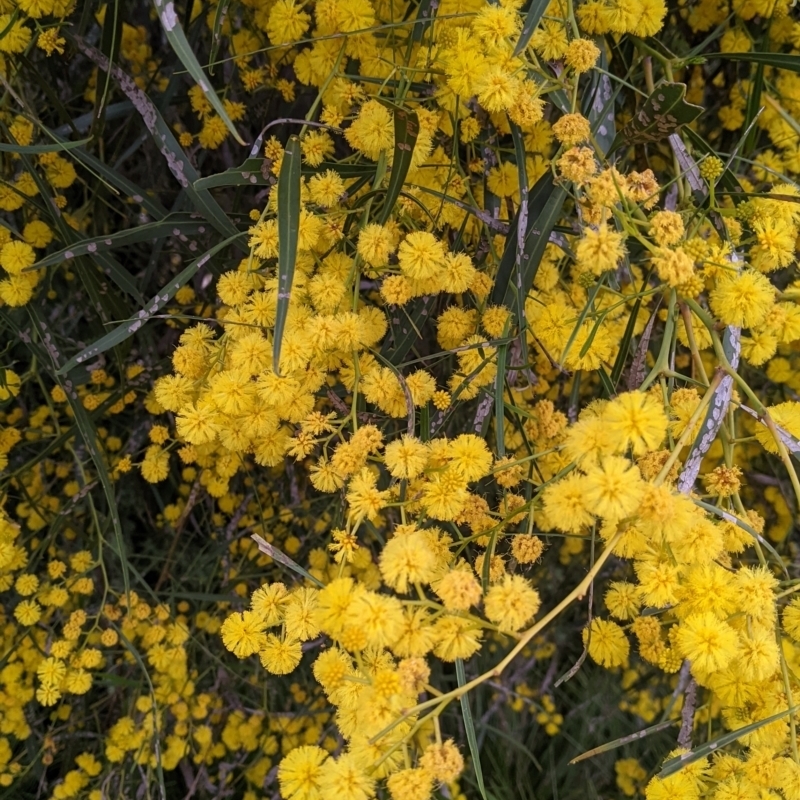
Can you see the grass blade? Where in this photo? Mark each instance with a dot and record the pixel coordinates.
(180, 44)
(288, 235)
(469, 726)
(129, 327)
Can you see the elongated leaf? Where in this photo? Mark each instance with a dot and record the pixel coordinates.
(177, 162)
(780, 60)
(248, 174)
(677, 763)
(110, 41)
(600, 110)
(533, 16)
(469, 727)
(715, 416)
(128, 328)
(623, 740)
(550, 198)
(288, 235)
(32, 149)
(537, 199)
(216, 32)
(752, 109)
(663, 113)
(405, 327)
(522, 232)
(406, 128)
(426, 11)
(180, 44)
(82, 123)
(180, 225)
(88, 433)
(278, 555)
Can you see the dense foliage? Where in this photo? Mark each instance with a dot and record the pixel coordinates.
(399, 399)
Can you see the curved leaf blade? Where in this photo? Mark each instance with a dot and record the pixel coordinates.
(129, 327)
(180, 44)
(288, 235)
(406, 129)
(532, 19)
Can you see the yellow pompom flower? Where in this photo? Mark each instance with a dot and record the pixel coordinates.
(243, 633)
(287, 22)
(511, 603)
(599, 251)
(708, 643)
(421, 255)
(607, 643)
(637, 421)
(743, 300)
(300, 773)
(16, 257)
(280, 656)
(613, 488)
(407, 560)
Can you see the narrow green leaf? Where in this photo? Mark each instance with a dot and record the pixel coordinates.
(663, 113)
(180, 44)
(405, 326)
(538, 197)
(715, 416)
(752, 109)
(248, 174)
(173, 225)
(288, 235)
(88, 433)
(129, 327)
(623, 740)
(677, 763)
(406, 128)
(32, 149)
(522, 232)
(216, 32)
(110, 41)
(469, 727)
(426, 11)
(532, 18)
(625, 344)
(599, 109)
(536, 239)
(786, 61)
(499, 401)
(278, 555)
(177, 162)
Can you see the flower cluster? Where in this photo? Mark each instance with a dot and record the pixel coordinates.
(478, 372)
